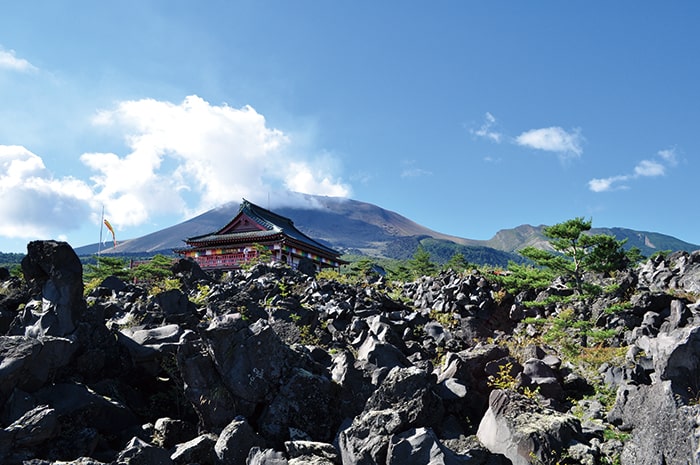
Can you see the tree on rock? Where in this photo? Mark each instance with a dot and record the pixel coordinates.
(577, 252)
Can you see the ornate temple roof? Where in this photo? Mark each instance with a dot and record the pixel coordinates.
(267, 225)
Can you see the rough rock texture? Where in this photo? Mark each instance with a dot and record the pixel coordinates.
(522, 431)
(274, 366)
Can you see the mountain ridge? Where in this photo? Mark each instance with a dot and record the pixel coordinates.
(356, 227)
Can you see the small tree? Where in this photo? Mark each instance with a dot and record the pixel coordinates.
(262, 255)
(524, 277)
(457, 262)
(107, 266)
(578, 252)
(154, 270)
(363, 268)
(421, 265)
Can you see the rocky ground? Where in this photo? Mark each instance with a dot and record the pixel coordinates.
(270, 366)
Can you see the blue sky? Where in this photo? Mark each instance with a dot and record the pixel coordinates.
(466, 117)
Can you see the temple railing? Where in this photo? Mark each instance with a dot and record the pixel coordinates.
(228, 260)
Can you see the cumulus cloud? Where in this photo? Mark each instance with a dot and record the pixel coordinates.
(645, 168)
(195, 150)
(607, 184)
(34, 204)
(553, 139)
(181, 159)
(487, 129)
(649, 168)
(9, 60)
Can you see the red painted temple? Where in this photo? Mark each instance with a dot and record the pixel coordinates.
(251, 229)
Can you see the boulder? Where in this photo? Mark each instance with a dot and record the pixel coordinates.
(252, 360)
(311, 453)
(420, 446)
(28, 363)
(405, 400)
(54, 272)
(167, 432)
(518, 428)
(236, 441)
(34, 427)
(189, 271)
(306, 403)
(198, 450)
(662, 430)
(215, 406)
(260, 456)
(138, 452)
(676, 357)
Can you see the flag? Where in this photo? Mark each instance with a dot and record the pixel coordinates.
(111, 229)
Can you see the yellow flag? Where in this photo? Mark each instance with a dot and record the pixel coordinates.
(111, 229)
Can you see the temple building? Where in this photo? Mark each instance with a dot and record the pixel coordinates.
(255, 230)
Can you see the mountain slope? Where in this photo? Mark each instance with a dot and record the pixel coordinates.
(342, 223)
(351, 226)
(512, 240)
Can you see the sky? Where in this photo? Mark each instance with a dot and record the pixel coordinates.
(465, 117)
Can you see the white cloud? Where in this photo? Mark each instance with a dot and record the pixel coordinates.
(305, 179)
(486, 129)
(669, 156)
(649, 168)
(9, 60)
(553, 139)
(215, 154)
(607, 184)
(182, 159)
(33, 204)
(645, 168)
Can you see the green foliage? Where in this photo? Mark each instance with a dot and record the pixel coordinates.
(329, 274)
(457, 262)
(549, 300)
(605, 254)
(167, 284)
(660, 254)
(446, 319)
(107, 266)
(524, 277)
(202, 295)
(504, 378)
(263, 255)
(634, 255)
(363, 268)
(577, 252)
(618, 307)
(10, 260)
(155, 269)
(421, 265)
(399, 272)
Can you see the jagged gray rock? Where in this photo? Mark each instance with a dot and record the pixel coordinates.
(275, 367)
(55, 273)
(198, 450)
(522, 431)
(236, 441)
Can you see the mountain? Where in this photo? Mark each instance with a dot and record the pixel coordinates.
(511, 240)
(351, 226)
